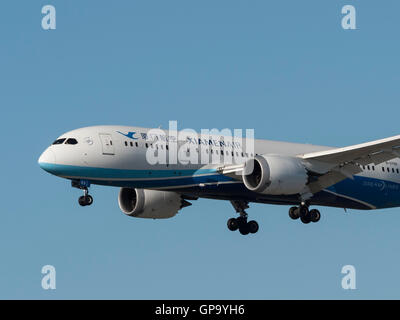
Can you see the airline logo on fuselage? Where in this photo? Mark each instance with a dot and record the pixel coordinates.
(129, 135)
(194, 140)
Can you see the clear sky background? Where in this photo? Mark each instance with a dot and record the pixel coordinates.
(285, 68)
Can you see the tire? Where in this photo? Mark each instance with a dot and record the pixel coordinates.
(305, 219)
(82, 201)
(233, 224)
(315, 215)
(294, 213)
(303, 211)
(252, 226)
(89, 200)
(244, 230)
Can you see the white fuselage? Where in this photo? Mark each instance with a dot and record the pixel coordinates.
(119, 156)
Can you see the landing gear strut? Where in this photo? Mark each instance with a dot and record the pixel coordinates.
(245, 227)
(306, 216)
(86, 199)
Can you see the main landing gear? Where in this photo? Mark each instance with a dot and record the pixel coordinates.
(245, 227)
(86, 199)
(306, 216)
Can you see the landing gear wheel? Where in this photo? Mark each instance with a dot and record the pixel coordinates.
(303, 211)
(85, 200)
(252, 226)
(304, 214)
(82, 201)
(294, 213)
(241, 222)
(233, 224)
(305, 219)
(244, 229)
(315, 215)
(89, 200)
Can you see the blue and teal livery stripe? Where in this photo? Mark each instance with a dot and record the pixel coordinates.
(140, 178)
(373, 192)
(376, 192)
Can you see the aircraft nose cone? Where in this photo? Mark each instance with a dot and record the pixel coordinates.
(47, 158)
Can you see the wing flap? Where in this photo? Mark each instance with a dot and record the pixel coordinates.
(332, 177)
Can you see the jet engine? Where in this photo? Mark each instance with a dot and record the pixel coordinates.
(154, 204)
(275, 175)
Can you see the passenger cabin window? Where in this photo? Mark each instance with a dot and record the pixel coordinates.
(59, 141)
(71, 141)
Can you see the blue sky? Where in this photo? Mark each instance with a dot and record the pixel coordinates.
(285, 68)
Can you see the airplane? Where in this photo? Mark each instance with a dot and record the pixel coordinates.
(363, 177)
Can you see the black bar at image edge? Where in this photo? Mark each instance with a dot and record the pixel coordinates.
(198, 309)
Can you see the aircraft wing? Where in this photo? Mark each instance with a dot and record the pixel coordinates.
(334, 165)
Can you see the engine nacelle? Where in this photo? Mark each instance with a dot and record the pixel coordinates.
(275, 175)
(154, 204)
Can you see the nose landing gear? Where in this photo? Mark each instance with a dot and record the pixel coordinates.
(86, 199)
(241, 222)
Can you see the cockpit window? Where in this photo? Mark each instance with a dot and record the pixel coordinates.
(71, 141)
(59, 141)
